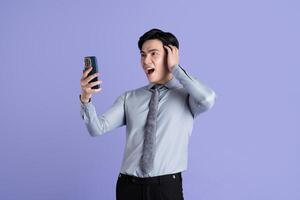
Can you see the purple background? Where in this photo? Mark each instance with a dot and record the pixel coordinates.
(246, 148)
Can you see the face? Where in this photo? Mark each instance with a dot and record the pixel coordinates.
(154, 62)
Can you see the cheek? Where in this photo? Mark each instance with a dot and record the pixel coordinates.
(161, 69)
(160, 60)
(162, 63)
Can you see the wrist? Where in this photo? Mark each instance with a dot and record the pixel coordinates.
(85, 98)
(173, 68)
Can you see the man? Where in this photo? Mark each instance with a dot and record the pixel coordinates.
(158, 118)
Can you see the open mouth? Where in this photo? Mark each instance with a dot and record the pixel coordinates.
(150, 71)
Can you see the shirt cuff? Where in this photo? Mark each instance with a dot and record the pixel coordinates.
(83, 103)
(179, 72)
(175, 68)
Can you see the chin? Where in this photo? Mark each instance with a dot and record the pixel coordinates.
(155, 80)
(152, 81)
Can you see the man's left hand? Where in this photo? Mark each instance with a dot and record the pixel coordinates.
(172, 56)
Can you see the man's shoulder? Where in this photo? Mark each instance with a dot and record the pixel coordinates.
(135, 92)
(141, 89)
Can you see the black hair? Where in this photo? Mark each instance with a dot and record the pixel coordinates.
(166, 38)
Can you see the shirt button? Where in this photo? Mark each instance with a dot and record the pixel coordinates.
(133, 180)
(174, 176)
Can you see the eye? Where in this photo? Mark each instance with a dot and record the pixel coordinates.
(154, 53)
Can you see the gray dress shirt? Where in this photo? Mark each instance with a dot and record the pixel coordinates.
(181, 100)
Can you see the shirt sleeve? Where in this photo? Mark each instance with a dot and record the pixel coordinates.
(113, 118)
(200, 97)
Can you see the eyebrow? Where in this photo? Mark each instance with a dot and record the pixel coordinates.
(151, 50)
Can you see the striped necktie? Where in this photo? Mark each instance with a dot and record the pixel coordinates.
(147, 159)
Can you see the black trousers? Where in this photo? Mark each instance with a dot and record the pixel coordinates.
(165, 187)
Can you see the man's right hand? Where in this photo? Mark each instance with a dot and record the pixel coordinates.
(86, 87)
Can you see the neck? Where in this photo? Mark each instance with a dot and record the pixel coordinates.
(166, 79)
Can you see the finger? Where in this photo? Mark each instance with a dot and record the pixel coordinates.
(89, 78)
(83, 82)
(96, 90)
(94, 83)
(173, 47)
(176, 50)
(86, 71)
(168, 48)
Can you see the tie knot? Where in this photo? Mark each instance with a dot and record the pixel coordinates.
(157, 87)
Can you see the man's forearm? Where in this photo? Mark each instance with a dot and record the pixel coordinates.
(99, 124)
(198, 90)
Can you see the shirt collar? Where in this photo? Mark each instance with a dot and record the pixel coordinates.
(173, 83)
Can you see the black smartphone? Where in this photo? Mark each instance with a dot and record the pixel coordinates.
(92, 61)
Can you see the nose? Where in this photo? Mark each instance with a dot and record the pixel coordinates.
(146, 60)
